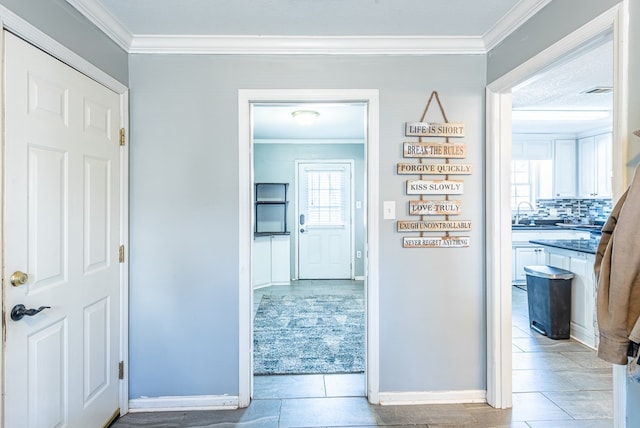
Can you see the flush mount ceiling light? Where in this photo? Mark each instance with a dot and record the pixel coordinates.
(572, 115)
(305, 117)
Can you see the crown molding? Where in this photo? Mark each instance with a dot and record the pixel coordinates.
(95, 12)
(517, 16)
(102, 18)
(288, 45)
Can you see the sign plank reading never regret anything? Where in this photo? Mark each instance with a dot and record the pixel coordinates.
(437, 242)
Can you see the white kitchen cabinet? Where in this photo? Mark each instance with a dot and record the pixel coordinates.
(532, 150)
(270, 260)
(525, 253)
(583, 297)
(564, 169)
(526, 256)
(595, 166)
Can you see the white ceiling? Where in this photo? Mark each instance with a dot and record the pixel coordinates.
(356, 26)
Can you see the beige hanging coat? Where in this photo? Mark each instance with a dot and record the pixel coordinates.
(617, 270)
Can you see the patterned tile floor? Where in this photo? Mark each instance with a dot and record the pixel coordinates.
(556, 384)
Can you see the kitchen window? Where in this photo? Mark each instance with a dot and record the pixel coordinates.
(531, 180)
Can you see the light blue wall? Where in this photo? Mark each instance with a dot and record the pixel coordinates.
(63, 23)
(184, 219)
(555, 21)
(275, 163)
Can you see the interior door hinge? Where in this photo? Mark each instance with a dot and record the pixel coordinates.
(121, 370)
(122, 136)
(121, 254)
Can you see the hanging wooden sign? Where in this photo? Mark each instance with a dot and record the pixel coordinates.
(434, 150)
(432, 207)
(437, 242)
(428, 129)
(437, 168)
(434, 226)
(435, 187)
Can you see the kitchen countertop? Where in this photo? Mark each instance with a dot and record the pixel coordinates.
(588, 246)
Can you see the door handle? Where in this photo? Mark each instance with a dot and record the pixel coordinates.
(19, 311)
(301, 219)
(18, 278)
(302, 230)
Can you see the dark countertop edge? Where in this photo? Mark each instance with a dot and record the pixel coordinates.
(550, 227)
(579, 245)
(256, 234)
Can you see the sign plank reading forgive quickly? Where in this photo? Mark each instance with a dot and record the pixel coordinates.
(435, 187)
(437, 168)
(443, 242)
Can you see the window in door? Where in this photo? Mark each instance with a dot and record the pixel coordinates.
(325, 198)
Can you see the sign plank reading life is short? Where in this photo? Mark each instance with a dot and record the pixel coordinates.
(435, 187)
(434, 150)
(437, 242)
(437, 168)
(438, 207)
(428, 129)
(434, 226)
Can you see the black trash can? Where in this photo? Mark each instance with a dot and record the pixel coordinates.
(549, 296)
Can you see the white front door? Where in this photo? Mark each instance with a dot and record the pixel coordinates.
(61, 226)
(324, 220)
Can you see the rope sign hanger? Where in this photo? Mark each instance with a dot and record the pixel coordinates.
(422, 187)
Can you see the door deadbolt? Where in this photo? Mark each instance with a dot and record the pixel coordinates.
(19, 278)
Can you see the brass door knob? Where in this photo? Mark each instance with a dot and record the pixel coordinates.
(19, 278)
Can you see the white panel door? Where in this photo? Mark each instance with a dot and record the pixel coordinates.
(62, 223)
(324, 221)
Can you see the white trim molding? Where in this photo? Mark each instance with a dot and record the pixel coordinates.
(372, 204)
(31, 34)
(432, 397)
(498, 224)
(518, 15)
(303, 45)
(95, 12)
(104, 20)
(183, 403)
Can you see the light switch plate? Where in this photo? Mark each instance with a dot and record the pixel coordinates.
(389, 210)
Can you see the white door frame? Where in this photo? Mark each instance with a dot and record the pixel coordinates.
(23, 29)
(498, 212)
(296, 255)
(371, 253)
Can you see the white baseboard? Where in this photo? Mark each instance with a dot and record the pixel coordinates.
(180, 403)
(432, 397)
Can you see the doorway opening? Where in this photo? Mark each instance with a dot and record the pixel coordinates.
(308, 317)
(499, 158)
(308, 330)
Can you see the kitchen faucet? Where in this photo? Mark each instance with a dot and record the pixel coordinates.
(518, 211)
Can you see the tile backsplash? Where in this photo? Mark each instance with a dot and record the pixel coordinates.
(570, 210)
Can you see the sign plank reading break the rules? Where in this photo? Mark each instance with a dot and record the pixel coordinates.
(428, 157)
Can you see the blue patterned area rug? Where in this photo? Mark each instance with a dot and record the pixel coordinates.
(309, 334)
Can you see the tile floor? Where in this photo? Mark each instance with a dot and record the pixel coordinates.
(556, 384)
